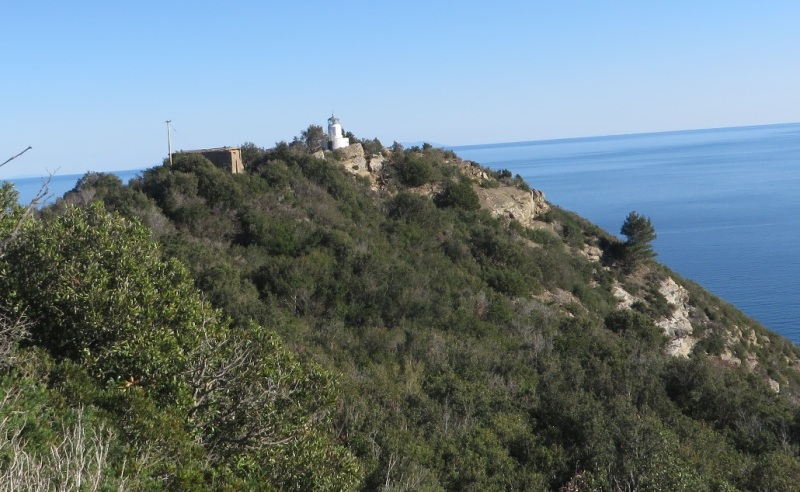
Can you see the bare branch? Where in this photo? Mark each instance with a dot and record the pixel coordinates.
(12, 330)
(41, 196)
(14, 157)
(77, 462)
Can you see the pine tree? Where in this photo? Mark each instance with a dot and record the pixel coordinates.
(640, 233)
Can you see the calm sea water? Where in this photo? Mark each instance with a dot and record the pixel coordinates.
(29, 188)
(725, 203)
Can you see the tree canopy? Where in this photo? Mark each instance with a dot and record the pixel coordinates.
(314, 138)
(640, 233)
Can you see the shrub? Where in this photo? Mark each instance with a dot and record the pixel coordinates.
(105, 298)
(458, 195)
(415, 171)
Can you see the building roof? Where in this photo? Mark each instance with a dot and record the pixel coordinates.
(216, 149)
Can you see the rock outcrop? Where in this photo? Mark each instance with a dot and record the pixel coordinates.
(624, 298)
(504, 201)
(354, 161)
(513, 203)
(677, 325)
(352, 158)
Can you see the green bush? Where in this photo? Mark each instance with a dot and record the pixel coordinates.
(415, 170)
(460, 195)
(105, 297)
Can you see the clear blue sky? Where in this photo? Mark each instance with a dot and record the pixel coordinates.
(90, 84)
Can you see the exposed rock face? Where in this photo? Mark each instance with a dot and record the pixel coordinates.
(774, 385)
(624, 298)
(514, 203)
(728, 357)
(505, 201)
(473, 171)
(592, 253)
(352, 157)
(356, 162)
(375, 163)
(677, 326)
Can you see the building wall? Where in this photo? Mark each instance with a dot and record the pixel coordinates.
(228, 158)
(335, 138)
(339, 142)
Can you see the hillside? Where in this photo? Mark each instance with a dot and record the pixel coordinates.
(396, 320)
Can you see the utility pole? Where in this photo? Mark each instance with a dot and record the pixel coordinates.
(169, 142)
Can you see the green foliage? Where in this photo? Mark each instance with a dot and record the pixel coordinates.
(414, 170)
(640, 233)
(414, 209)
(12, 214)
(635, 324)
(571, 227)
(277, 236)
(314, 138)
(428, 346)
(128, 333)
(458, 195)
(265, 414)
(638, 229)
(371, 147)
(251, 153)
(44, 445)
(105, 297)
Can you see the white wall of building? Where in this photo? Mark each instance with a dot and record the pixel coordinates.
(335, 136)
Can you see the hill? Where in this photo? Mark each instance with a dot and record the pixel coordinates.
(398, 321)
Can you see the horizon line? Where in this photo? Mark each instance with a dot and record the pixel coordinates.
(613, 135)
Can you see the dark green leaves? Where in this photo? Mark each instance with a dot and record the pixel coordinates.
(640, 233)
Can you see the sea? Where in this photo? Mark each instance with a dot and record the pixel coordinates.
(55, 186)
(725, 203)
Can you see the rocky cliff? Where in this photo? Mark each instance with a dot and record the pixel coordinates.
(500, 200)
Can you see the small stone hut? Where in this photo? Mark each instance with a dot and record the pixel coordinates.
(228, 158)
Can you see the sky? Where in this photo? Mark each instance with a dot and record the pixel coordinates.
(90, 85)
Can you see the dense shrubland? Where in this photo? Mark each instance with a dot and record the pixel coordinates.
(289, 328)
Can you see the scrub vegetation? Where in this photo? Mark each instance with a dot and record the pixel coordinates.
(291, 328)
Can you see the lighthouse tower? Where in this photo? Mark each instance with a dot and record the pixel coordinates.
(337, 140)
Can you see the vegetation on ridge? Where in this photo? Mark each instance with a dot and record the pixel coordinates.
(297, 328)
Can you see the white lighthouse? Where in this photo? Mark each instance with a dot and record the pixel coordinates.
(335, 137)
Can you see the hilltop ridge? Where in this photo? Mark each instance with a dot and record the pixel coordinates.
(409, 321)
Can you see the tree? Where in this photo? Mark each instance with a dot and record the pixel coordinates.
(264, 413)
(415, 170)
(97, 292)
(100, 298)
(251, 153)
(640, 233)
(458, 194)
(314, 138)
(373, 146)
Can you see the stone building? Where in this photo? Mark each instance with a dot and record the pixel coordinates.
(228, 158)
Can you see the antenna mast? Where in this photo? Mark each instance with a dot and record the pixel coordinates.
(169, 142)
